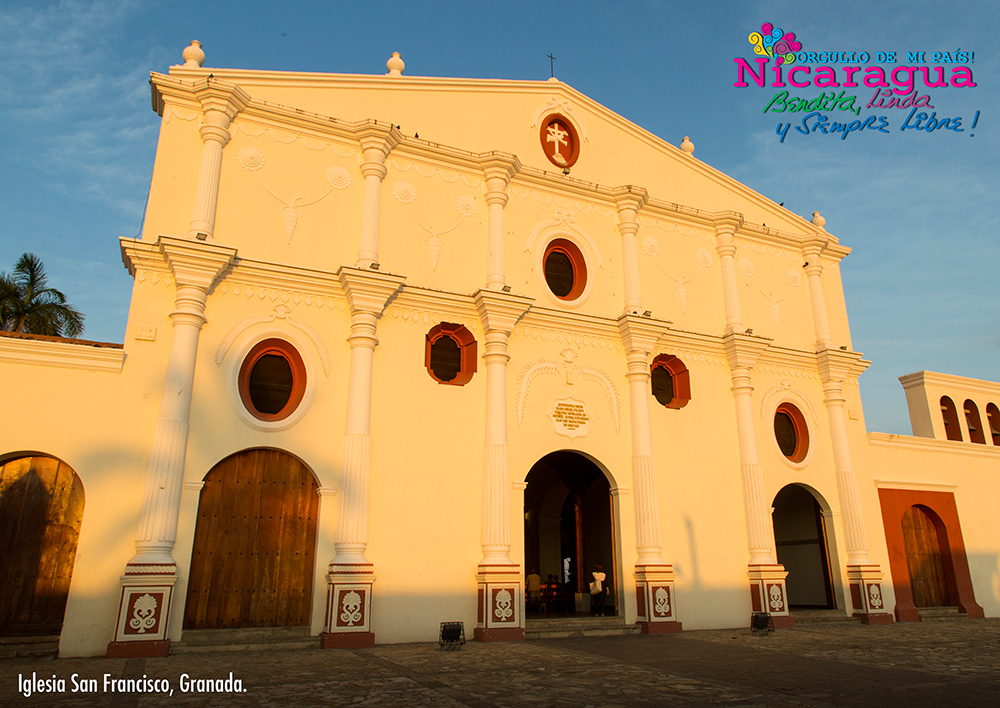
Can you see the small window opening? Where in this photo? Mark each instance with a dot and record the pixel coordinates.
(993, 420)
(272, 380)
(270, 383)
(559, 273)
(450, 354)
(975, 423)
(952, 430)
(670, 381)
(791, 432)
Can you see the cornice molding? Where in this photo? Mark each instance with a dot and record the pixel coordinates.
(368, 290)
(195, 263)
(500, 311)
(743, 350)
(61, 355)
(951, 447)
(962, 383)
(566, 326)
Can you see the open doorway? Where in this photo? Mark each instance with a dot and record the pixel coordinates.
(800, 538)
(568, 530)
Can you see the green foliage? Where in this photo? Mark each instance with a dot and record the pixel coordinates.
(28, 306)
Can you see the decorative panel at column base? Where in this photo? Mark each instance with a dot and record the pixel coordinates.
(655, 601)
(348, 606)
(866, 595)
(769, 594)
(144, 611)
(500, 604)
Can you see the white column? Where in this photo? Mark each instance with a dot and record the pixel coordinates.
(498, 169)
(377, 140)
(814, 269)
(755, 504)
(628, 201)
(855, 538)
(221, 102)
(147, 585)
(497, 575)
(726, 248)
(351, 575)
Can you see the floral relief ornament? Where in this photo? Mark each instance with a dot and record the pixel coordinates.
(405, 193)
(252, 160)
(503, 609)
(662, 601)
(776, 602)
(351, 608)
(143, 613)
(875, 596)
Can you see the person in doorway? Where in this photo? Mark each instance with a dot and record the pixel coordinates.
(598, 591)
(534, 583)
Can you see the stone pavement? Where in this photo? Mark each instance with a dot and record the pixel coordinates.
(818, 665)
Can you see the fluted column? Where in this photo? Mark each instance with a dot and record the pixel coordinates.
(657, 612)
(498, 169)
(377, 141)
(725, 229)
(152, 570)
(628, 201)
(814, 269)
(221, 102)
(498, 577)
(351, 575)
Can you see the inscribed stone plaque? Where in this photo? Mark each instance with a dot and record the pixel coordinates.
(570, 418)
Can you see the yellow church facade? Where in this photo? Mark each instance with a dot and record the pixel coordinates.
(397, 341)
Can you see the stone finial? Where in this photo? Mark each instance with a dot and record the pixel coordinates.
(395, 65)
(193, 54)
(818, 220)
(687, 146)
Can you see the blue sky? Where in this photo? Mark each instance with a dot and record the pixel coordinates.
(919, 209)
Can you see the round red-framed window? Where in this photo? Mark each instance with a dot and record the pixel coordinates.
(272, 380)
(791, 432)
(565, 269)
(560, 142)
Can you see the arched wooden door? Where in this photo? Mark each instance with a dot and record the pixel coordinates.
(923, 558)
(41, 507)
(252, 562)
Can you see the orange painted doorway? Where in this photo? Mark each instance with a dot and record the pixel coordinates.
(254, 544)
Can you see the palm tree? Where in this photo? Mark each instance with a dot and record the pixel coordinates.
(28, 306)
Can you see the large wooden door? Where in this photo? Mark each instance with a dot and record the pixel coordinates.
(41, 507)
(252, 562)
(923, 557)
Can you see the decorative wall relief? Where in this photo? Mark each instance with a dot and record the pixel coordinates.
(572, 373)
(564, 222)
(554, 104)
(281, 312)
(466, 206)
(794, 279)
(252, 160)
(704, 259)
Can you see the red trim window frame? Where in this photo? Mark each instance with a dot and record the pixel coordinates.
(681, 376)
(548, 148)
(468, 350)
(274, 347)
(577, 262)
(801, 431)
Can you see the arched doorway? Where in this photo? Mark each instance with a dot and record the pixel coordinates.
(800, 539)
(41, 507)
(923, 559)
(254, 544)
(568, 529)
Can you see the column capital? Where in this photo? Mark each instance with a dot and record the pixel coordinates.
(368, 290)
(499, 165)
(814, 246)
(377, 136)
(743, 350)
(726, 224)
(222, 96)
(195, 263)
(640, 334)
(500, 310)
(837, 365)
(629, 198)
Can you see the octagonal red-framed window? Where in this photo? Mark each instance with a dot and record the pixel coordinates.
(670, 381)
(450, 354)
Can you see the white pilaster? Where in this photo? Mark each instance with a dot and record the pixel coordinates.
(377, 141)
(497, 574)
(629, 200)
(498, 169)
(725, 229)
(654, 577)
(220, 102)
(814, 269)
(195, 267)
(351, 575)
